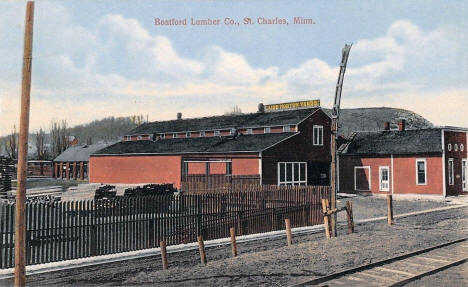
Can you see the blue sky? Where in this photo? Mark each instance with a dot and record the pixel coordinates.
(106, 58)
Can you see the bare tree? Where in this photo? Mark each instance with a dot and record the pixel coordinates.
(40, 145)
(59, 136)
(11, 144)
(137, 120)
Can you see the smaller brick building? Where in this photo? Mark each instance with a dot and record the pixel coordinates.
(429, 161)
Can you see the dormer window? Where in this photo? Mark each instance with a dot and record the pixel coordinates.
(267, 130)
(129, 138)
(174, 135)
(233, 131)
(162, 136)
(188, 134)
(286, 129)
(139, 138)
(249, 131)
(202, 134)
(217, 133)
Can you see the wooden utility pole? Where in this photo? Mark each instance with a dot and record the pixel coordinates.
(20, 244)
(334, 134)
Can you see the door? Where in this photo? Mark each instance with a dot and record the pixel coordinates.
(384, 178)
(464, 175)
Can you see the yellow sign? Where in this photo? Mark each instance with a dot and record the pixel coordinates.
(292, 105)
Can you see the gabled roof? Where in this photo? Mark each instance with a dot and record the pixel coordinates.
(290, 117)
(242, 143)
(395, 142)
(79, 152)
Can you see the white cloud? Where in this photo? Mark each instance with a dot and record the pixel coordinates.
(144, 74)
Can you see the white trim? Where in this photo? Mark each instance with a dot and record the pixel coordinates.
(388, 178)
(391, 162)
(444, 176)
(210, 160)
(465, 174)
(320, 137)
(260, 166)
(369, 180)
(425, 171)
(267, 130)
(286, 129)
(249, 131)
(451, 172)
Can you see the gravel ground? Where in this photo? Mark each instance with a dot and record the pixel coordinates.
(270, 262)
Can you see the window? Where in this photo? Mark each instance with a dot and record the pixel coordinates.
(174, 135)
(228, 168)
(455, 147)
(202, 134)
(318, 135)
(292, 173)
(129, 138)
(450, 172)
(267, 130)
(384, 178)
(139, 138)
(233, 131)
(217, 133)
(249, 131)
(286, 129)
(462, 147)
(188, 134)
(162, 136)
(464, 175)
(421, 173)
(449, 147)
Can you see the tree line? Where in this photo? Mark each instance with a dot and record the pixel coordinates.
(49, 144)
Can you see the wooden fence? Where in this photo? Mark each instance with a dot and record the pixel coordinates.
(216, 182)
(75, 229)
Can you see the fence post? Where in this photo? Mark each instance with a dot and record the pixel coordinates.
(389, 209)
(93, 243)
(288, 231)
(349, 212)
(326, 224)
(232, 231)
(164, 254)
(201, 248)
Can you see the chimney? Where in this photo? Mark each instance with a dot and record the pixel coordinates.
(261, 108)
(179, 116)
(401, 125)
(386, 126)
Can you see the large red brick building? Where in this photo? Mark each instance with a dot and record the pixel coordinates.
(429, 161)
(286, 147)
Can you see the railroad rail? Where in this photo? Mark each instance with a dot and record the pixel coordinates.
(399, 270)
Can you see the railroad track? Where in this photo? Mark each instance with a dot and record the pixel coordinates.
(399, 270)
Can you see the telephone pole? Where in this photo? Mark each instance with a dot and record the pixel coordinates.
(334, 132)
(20, 244)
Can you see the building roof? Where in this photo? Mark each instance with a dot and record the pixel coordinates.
(290, 117)
(395, 142)
(241, 143)
(79, 152)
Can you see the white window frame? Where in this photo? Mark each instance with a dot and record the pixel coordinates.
(462, 147)
(249, 131)
(369, 180)
(319, 129)
(449, 147)
(139, 138)
(188, 134)
(232, 131)
(162, 136)
(455, 147)
(217, 133)
(465, 175)
(174, 135)
(202, 134)
(292, 181)
(451, 173)
(380, 178)
(425, 171)
(128, 138)
(266, 130)
(286, 129)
